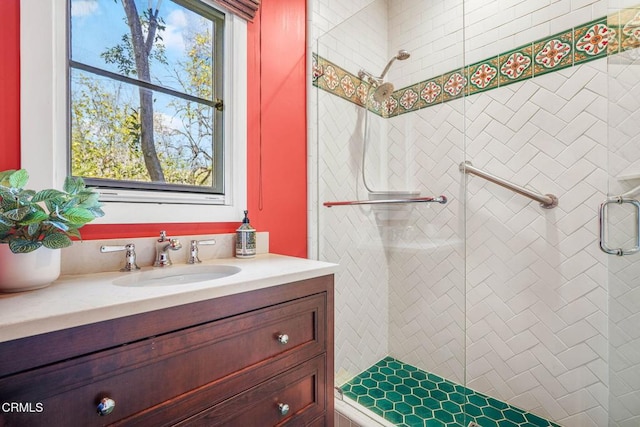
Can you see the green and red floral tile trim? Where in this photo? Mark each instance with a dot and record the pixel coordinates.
(554, 53)
(596, 39)
(337, 81)
(332, 78)
(516, 65)
(483, 75)
(591, 41)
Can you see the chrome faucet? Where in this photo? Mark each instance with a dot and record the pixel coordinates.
(163, 245)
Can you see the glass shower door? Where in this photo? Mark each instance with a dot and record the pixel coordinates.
(620, 224)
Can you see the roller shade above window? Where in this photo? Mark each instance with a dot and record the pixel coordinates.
(246, 9)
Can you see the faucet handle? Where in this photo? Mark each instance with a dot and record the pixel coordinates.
(193, 250)
(163, 236)
(130, 255)
(206, 242)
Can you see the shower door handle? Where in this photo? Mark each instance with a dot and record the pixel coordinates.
(603, 223)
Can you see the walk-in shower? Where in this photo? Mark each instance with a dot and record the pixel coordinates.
(487, 309)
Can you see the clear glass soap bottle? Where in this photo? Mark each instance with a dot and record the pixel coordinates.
(245, 239)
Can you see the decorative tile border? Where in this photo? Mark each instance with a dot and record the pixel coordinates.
(410, 98)
(592, 40)
(483, 76)
(454, 85)
(553, 54)
(336, 80)
(431, 92)
(516, 65)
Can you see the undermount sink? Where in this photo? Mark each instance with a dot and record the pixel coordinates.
(176, 275)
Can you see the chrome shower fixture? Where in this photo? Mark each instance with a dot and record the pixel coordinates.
(402, 55)
(369, 78)
(383, 92)
(376, 81)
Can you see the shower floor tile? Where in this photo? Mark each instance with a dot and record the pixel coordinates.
(409, 397)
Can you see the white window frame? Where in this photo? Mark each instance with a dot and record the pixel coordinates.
(44, 127)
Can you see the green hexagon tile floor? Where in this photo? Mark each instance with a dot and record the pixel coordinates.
(407, 396)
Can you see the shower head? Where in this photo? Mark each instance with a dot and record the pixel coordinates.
(383, 92)
(402, 55)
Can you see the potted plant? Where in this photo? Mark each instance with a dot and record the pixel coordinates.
(34, 225)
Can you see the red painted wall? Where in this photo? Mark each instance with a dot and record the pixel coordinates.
(10, 84)
(277, 174)
(277, 163)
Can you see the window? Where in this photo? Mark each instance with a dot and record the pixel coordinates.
(145, 93)
(159, 132)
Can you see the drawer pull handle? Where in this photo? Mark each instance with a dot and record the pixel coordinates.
(106, 406)
(283, 408)
(283, 338)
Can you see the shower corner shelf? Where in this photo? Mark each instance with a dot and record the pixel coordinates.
(631, 172)
(394, 194)
(627, 176)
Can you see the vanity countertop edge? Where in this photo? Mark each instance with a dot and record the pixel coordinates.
(78, 300)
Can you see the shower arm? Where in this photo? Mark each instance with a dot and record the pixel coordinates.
(386, 69)
(402, 55)
(547, 201)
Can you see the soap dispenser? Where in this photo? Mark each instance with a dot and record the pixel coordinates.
(245, 239)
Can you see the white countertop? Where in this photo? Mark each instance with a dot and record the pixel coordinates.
(82, 299)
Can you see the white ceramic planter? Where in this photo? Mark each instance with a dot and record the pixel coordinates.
(24, 272)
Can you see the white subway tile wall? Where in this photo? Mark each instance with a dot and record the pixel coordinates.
(536, 311)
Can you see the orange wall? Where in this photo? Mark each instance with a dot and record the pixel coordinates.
(277, 174)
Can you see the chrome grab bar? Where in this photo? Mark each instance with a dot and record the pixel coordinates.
(603, 221)
(440, 199)
(547, 201)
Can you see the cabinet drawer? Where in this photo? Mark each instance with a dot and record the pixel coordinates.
(143, 374)
(301, 389)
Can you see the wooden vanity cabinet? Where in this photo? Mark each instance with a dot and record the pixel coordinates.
(259, 358)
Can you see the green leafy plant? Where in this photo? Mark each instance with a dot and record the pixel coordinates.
(49, 218)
